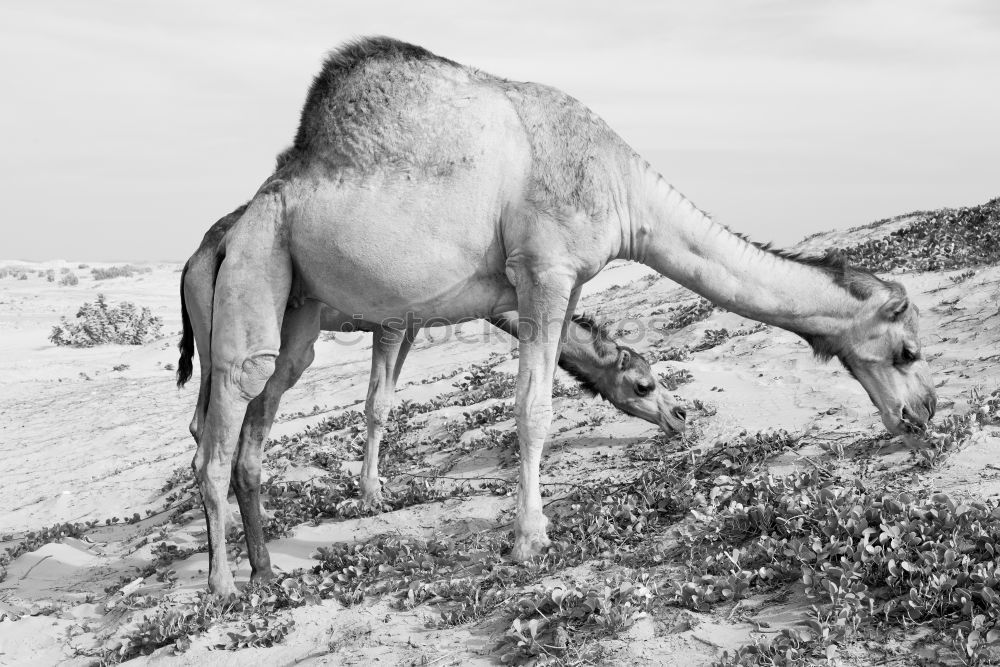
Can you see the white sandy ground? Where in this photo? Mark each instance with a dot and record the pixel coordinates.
(81, 441)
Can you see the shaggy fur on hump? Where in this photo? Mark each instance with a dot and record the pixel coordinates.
(338, 67)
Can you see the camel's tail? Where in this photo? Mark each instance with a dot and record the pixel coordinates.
(186, 346)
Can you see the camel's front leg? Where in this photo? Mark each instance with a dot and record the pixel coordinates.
(389, 348)
(250, 295)
(299, 331)
(544, 299)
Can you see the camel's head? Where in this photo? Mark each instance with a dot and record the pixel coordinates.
(881, 349)
(619, 374)
(631, 387)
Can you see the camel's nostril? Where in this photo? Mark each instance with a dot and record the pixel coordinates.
(680, 413)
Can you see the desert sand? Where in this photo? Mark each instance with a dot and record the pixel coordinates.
(81, 441)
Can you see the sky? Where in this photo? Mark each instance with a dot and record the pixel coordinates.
(127, 128)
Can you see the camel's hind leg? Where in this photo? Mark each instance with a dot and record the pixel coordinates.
(250, 295)
(545, 299)
(389, 348)
(299, 331)
(198, 294)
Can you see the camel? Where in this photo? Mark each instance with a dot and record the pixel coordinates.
(421, 190)
(603, 367)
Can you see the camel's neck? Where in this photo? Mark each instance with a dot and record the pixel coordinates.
(668, 233)
(580, 358)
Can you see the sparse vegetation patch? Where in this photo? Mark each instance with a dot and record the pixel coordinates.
(13, 272)
(699, 529)
(675, 377)
(936, 241)
(119, 271)
(686, 527)
(99, 323)
(715, 337)
(688, 313)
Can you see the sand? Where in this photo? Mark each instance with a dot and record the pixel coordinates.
(81, 441)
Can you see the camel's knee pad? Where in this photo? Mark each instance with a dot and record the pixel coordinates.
(377, 410)
(254, 372)
(246, 475)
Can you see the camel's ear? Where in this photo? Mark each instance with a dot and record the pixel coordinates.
(624, 359)
(894, 308)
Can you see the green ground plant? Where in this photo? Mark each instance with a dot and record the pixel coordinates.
(703, 528)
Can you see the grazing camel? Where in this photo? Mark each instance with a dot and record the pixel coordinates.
(603, 367)
(418, 190)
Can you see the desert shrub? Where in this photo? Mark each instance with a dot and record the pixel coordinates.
(174, 625)
(98, 323)
(69, 279)
(962, 277)
(119, 271)
(546, 620)
(712, 338)
(483, 382)
(10, 272)
(561, 390)
(672, 354)
(687, 314)
(936, 241)
(716, 337)
(50, 275)
(675, 377)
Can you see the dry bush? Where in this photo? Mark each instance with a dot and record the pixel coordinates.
(13, 272)
(98, 323)
(119, 271)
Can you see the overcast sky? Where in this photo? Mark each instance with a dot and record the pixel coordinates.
(127, 128)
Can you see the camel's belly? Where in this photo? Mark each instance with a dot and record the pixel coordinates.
(423, 303)
(408, 251)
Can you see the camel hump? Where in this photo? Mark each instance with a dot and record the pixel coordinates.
(384, 108)
(345, 63)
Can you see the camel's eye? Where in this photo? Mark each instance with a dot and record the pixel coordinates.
(907, 356)
(643, 387)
